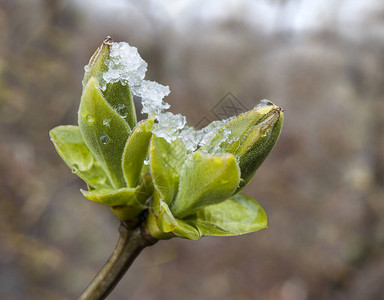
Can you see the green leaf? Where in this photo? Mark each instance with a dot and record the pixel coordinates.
(168, 223)
(123, 196)
(238, 215)
(112, 197)
(120, 99)
(125, 203)
(205, 179)
(136, 149)
(104, 132)
(72, 149)
(152, 227)
(166, 160)
(161, 224)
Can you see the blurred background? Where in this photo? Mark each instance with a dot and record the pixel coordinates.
(322, 187)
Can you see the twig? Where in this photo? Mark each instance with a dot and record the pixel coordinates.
(129, 246)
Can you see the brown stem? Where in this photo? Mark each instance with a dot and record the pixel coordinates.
(129, 246)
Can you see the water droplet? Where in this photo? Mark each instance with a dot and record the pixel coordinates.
(90, 118)
(122, 110)
(146, 161)
(104, 139)
(106, 122)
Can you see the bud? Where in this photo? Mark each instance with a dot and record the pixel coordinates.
(96, 66)
(106, 114)
(117, 95)
(107, 150)
(252, 137)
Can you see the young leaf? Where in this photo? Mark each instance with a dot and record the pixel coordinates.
(237, 215)
(168, 223)
(72, 149)
(123, 196)
(111, 197)
(136, 149)
(205, 179)
(104, 132)
(162, 225)
(120, 99)
(166, 160)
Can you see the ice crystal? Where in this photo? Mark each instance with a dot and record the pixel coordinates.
(152, 94)
(194, 139)
(169, 126)
(124, 65)
(127, 67)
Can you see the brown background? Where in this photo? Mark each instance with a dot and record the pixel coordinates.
(322, 186)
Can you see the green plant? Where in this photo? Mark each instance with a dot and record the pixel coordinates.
(161, 178)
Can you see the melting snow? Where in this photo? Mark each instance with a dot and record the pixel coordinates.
(169, 126)
(152, 94)
(126, 65)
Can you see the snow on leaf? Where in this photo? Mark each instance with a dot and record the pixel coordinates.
(125, 65)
